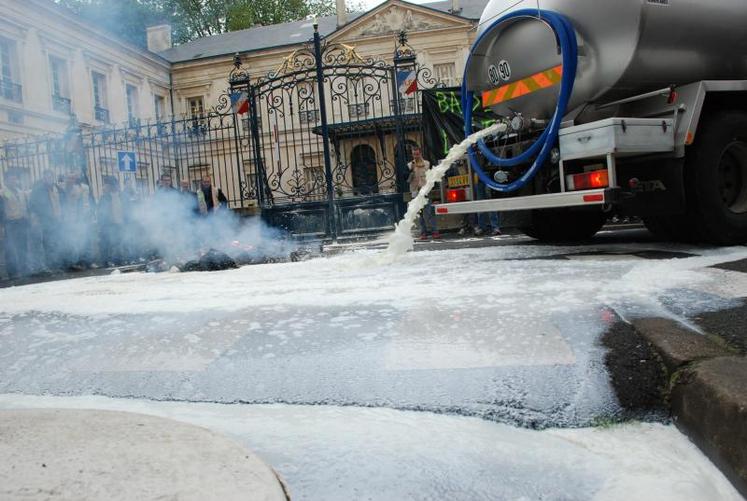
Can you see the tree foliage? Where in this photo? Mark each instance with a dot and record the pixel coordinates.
(193, 19)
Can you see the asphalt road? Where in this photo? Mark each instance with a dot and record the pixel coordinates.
(502, 328)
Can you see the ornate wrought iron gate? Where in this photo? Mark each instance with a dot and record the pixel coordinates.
(331, 132)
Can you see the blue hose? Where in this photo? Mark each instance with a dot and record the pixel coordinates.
(540, 149)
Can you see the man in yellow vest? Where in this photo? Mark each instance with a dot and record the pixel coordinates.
(14, 218)
(418, 169)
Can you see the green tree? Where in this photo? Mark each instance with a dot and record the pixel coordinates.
(125, 18)
(193, 19)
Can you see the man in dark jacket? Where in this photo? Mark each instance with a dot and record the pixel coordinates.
(209, 198)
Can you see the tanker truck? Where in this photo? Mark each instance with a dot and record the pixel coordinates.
(637, 107)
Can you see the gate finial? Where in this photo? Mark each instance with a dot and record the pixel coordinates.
(403, 52)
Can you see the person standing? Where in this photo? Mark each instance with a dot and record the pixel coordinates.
(45, 208)
(14, 219)
(165, 184)
(209, 198)
(488, 223)
(418, 169)
(72, 233)
(111, 221)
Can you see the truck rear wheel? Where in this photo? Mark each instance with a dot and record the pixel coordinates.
(716, 179)
(560, 225)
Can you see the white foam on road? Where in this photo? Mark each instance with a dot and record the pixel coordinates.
(331, 453)
(452, 277)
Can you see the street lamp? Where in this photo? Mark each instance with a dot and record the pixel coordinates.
(405, 82)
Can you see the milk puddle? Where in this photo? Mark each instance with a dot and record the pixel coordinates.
(347, 453)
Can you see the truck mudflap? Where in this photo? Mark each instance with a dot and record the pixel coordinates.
(586, 198)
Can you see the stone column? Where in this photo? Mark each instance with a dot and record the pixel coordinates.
(81, 88)
(34, 68)
(117, 103)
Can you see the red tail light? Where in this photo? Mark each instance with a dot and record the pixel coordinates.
(673, 96)
(587, 180)
(456, 195)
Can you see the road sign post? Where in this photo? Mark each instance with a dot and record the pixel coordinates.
(127, 161)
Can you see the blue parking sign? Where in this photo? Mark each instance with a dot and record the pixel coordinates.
(127, 161)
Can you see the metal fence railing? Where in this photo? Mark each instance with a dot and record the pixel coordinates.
(187, 148)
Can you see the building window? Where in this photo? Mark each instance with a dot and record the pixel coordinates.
(132, 105)
(60, 85)
(196, 113)
(308, 116)
(358, 110)
(15, 117)
(196, 107)
(100, 109)
(445, 73)
(159, 103)
(10, 89)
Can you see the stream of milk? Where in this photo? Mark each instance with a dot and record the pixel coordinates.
(401, 241)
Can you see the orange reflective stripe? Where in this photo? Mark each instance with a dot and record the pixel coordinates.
(538, 81)
(522, 89)
(542, 80)
(510, 88)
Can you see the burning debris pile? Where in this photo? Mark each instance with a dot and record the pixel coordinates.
(180, 238)
(217, 260)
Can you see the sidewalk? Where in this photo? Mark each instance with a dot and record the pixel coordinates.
(90, 455)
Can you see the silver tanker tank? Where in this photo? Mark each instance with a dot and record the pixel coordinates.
(626, 47)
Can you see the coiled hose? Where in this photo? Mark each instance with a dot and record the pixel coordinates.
(566, 37)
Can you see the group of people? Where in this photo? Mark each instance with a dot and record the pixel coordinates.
(45, 228)
(59, 226)
(484, 223)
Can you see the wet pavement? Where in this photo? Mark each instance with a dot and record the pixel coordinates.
(501, 328)
(507, 331)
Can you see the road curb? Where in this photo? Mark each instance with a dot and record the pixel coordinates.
(706, 392)
(93, 454)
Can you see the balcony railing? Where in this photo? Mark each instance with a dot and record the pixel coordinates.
(61, 104)
(406, 105)
(101, 114)
(11, 91)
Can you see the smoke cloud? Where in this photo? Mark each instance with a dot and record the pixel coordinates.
(58, 226)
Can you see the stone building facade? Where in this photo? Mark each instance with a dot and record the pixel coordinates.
(53, 67)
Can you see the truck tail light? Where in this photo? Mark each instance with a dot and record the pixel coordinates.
(587, 180)
(458, 195)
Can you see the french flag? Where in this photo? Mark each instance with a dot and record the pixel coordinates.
(407, 81)
(240, 102)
